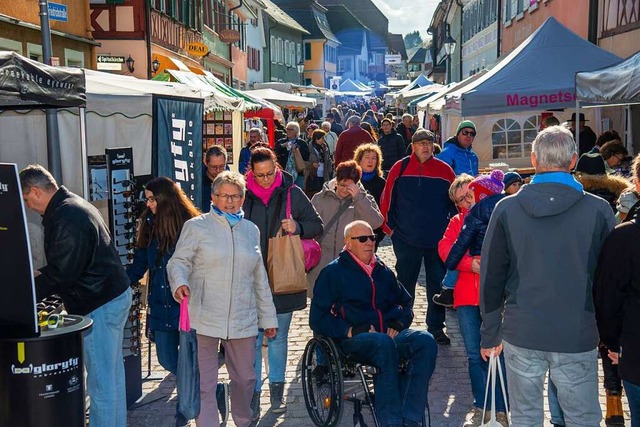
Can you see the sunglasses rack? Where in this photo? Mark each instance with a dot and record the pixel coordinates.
(48, 306)
(122, 201)
(133, 328)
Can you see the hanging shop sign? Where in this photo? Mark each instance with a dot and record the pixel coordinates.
(227, 35)
(197, 49)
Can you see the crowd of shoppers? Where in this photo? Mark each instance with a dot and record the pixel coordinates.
(507, 257)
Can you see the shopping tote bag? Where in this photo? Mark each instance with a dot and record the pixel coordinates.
(285, 265)
(188, 377)
(495, 370)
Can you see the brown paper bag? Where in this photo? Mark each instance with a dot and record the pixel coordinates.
(285, 265)
(298, 160)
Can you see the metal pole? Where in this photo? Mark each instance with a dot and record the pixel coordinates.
(84, 161)
(53, 141)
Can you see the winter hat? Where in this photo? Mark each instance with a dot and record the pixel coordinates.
(487, 185)
(466, 124)
(591, 164)
(510, 178)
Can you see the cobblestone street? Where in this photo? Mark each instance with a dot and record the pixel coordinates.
(449, 392)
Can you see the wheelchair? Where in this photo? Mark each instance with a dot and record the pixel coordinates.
(325, 371)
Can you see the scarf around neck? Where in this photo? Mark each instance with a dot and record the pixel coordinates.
(264, 194)
(232, 218)
(368, 176)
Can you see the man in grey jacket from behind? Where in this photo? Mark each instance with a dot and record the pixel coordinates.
(538, 262)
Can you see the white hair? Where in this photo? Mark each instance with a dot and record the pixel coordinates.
(347, 229)
(325, 124)
(554, 147)
(294, 125)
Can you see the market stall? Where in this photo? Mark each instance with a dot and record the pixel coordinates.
(29, 352)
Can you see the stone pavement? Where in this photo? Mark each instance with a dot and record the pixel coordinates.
(449, 391)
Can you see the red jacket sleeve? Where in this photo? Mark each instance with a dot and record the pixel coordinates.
(449, 238)
(385, 199)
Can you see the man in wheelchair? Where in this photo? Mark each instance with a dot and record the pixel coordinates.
(358, 302)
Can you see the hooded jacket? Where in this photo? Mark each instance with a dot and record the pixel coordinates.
(461, 160)
(345, 296)
(609, 187)
(538, 263)
(327, 204)
(303, 212)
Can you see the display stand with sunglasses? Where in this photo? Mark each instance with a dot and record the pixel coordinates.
(41, 348)
(123, 199)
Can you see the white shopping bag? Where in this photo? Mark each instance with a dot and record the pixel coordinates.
(495, 371)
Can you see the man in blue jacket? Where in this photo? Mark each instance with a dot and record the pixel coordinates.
(358, 301)
(458, 152)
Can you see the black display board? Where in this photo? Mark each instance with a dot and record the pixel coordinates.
(18, 317)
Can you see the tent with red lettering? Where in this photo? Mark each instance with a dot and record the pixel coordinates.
(538, 75)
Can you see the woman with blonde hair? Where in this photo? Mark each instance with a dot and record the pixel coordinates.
(369, 157)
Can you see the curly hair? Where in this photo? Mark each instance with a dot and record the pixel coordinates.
(369, 148)
(174, 209)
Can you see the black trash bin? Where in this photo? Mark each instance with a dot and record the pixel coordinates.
(42, 379)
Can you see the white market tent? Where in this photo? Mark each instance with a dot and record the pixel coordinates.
(538, 75)
(418, 82)
(350, 86)
(118, 114)
(282, 99)
(617, 84)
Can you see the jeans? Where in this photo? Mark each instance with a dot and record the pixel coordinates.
(276, 353)
(398, 397)
(633, 397)
(469, 321)
(574, 374)
(104, 363)
(408, 262)
(557, 416)
(450, 279)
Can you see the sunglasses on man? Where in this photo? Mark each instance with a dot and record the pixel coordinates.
(363, 239)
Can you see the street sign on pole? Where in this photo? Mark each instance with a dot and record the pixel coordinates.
(58, 12)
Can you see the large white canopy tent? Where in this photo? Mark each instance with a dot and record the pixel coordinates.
(282, 99)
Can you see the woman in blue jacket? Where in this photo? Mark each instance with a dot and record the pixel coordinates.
(168, 208)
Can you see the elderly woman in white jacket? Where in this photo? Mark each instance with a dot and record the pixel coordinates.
(218, 264)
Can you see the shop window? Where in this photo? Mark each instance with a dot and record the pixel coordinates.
(506, 138)
(529, 133)
(73, 58)
(6, 44)
(307, 51)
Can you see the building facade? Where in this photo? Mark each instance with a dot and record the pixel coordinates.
(72, 44)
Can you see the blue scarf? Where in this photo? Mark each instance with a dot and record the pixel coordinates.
(231, 218)
(558, 178)
(368, 176)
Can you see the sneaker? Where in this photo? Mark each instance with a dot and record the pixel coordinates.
(473, 418)
(441, 338)
(182, 421)
(444, 298)
(222, 397)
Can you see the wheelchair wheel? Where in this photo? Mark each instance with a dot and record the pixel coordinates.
(322, 382)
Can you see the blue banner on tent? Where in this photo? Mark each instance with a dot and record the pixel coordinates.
(177, 135)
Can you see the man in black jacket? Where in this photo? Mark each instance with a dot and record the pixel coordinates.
(391, 144)
(84, 269)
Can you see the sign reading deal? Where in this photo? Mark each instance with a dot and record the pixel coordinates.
(197, 49)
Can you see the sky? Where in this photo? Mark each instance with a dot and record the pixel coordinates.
(405, 17)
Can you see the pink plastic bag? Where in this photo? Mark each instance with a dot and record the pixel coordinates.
(185, 323)
(311, 248)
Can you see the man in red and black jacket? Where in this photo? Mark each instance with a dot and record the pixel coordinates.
(416, 206)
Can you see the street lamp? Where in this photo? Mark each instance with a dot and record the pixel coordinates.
(300, 67)
(155, 65)
(449, 45)
(130, 62)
